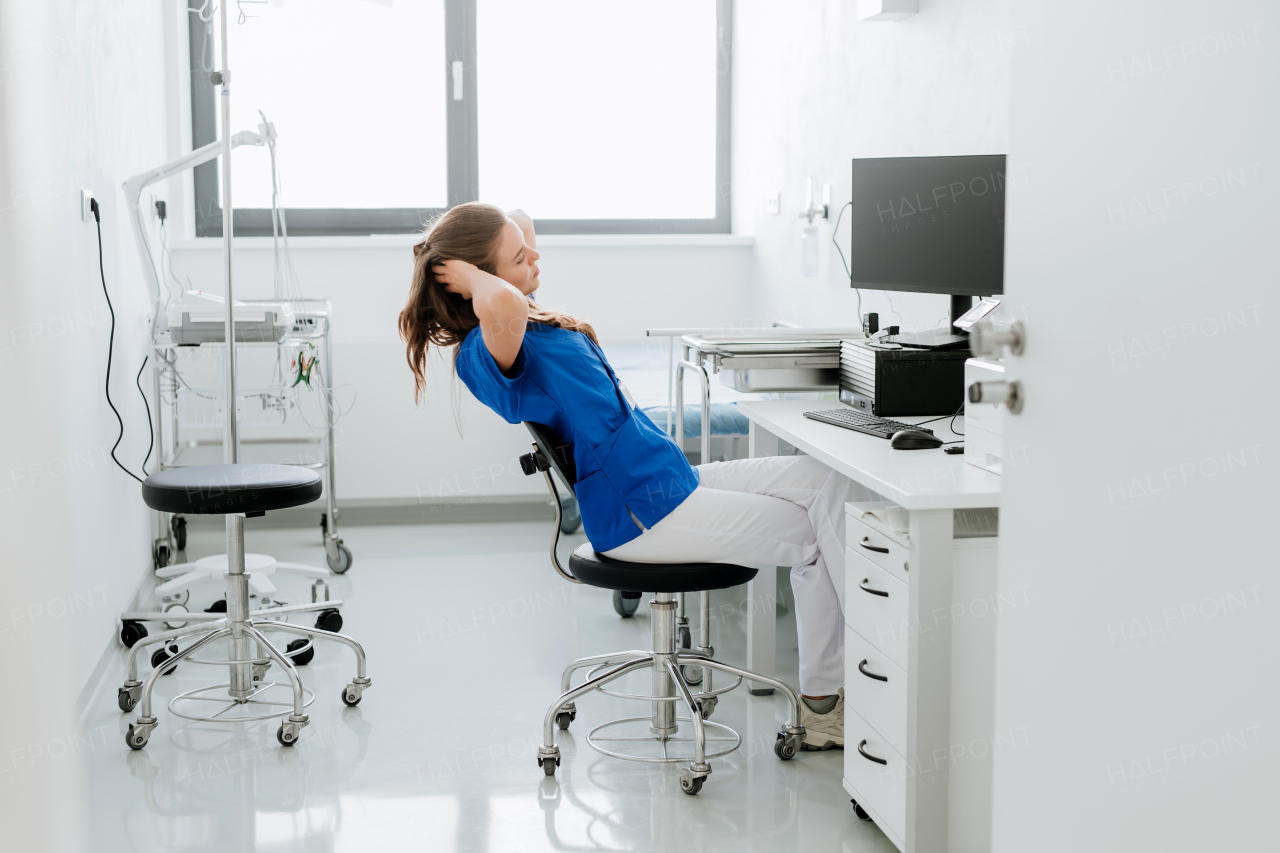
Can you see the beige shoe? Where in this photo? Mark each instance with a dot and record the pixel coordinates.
(823, 731)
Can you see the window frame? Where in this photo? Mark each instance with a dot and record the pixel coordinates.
(462, 146)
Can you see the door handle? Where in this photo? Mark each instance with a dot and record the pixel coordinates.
(861, 669)
(866, 543)
(863, 586)
(868, 755)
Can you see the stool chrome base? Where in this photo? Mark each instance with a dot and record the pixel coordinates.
(247, 670)
(670, 686)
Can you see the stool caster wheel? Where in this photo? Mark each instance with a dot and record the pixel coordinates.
(300, 659)
(159, 656)
(787, 745)
(219, 606)
(691, 782)
(624, 606)
(127, 697)
(342, 562)
(329, 620)
(549, 763)
(138, 734)
(260, 671)
(564, 718)
(353, 693)
(289, 732)
(706, 706)
(131, 633)
(692, 674)
(860, 811)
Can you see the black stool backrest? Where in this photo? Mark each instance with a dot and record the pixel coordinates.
(558, 453)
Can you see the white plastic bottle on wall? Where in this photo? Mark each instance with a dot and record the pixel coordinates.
(809, 251)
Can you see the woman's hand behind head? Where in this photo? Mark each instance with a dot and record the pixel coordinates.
(457, 277)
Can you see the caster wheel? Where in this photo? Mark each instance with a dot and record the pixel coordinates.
(350, 699)
(548, 764)
(179, 527)
(131, 633)
(175, 609)
(686, 640)
(624, 606)
(136, 738)
(159, 656)
(706, 707)
(219, 606)
(160, 556)
(564, 718)
(329, 620)
(126, 699)
(302, 659)
(286, 738)
(785, 747)
(692, 674)
(342, 563)
(692, 784)
(860, 811)
(570, 516)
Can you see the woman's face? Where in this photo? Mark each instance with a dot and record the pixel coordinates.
(517, 263)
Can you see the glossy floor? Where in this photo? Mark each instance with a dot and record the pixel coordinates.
(467, 629)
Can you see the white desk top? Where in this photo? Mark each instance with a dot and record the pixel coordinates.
(914, 479)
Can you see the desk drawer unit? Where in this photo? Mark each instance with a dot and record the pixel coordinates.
(876, 688)
(885, 551)
(877, 608)
(876, 776)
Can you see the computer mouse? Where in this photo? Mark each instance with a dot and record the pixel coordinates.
(914, 439)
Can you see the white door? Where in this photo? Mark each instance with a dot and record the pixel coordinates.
(1138, 686)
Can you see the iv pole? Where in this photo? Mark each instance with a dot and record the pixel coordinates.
(231, 438)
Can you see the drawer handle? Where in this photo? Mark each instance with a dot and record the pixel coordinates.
(868, 755)
(862, 670)
(866, 543)
(863, 586)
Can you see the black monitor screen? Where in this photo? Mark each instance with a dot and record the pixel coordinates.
(929, 224)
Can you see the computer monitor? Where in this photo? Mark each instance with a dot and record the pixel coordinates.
(929, 225)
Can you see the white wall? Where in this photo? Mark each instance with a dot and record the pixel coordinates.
(82, 104)
(814, 88)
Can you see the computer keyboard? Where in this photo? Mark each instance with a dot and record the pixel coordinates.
(871, 425)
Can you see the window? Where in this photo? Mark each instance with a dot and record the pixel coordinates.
(596, 116)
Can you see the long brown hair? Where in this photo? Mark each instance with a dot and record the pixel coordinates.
(468, 232)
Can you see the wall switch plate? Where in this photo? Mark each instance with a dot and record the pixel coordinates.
(86, 212)
(773, 202)
(886, 10)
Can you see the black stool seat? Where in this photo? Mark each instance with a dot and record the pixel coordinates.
(223, 489)
(598, 570)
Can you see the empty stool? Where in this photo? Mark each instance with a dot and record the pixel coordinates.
(237, 492)
(665, 659)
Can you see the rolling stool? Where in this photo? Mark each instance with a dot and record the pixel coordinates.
(670, 685)
(236, 491)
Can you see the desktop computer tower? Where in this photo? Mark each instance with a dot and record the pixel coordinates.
(889, 381)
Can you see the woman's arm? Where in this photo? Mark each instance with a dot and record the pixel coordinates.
(502, 310)
(519, 217)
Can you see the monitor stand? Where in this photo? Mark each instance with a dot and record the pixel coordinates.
(941, 338)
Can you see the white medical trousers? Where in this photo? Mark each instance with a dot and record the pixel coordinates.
(762, 513)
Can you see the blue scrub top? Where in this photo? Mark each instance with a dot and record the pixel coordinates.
(561, 379)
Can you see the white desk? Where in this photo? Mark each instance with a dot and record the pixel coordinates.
(930, 484)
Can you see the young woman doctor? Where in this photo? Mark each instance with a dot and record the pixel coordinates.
(475, 270)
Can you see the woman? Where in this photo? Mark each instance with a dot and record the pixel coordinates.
(475, 270)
